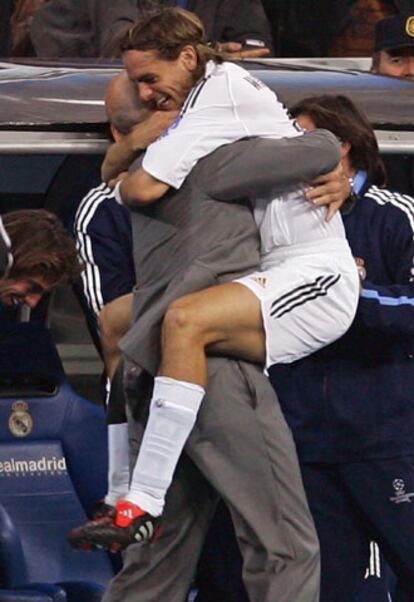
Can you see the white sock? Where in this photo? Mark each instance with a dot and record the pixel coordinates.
(173, 412)
(118, 463)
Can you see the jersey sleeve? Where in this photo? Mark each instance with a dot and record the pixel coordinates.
(194, 136)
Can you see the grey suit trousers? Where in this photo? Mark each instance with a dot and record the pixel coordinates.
(242, 450)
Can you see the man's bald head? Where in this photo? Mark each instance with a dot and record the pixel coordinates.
(123, 106)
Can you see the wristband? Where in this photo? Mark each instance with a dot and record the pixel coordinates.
(117, 193)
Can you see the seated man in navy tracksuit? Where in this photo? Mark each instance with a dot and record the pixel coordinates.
(350, 406)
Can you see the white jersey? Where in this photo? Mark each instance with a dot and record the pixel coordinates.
(227, 105)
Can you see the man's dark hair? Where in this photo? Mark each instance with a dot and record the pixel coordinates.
(41, 247)
(167, 31)
(339, 114)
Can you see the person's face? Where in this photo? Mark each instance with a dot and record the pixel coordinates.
(398, 63)
(24, 290)
(306, 122)
(163, 84)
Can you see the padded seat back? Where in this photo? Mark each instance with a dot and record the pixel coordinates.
(38, 495)
(53, 464)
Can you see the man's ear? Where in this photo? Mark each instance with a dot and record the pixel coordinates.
(116, 135)
(345, 149)
(189, 58)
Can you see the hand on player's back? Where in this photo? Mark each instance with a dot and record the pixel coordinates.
(330, 189)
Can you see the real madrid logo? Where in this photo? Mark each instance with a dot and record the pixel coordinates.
(409, 26)
(20, 421)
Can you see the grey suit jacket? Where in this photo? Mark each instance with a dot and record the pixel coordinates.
(194, 238)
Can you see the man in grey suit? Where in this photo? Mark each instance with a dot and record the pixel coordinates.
(241, 448)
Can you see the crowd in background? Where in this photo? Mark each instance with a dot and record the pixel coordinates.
(287, 28)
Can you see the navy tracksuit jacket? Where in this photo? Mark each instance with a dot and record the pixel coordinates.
(354, 399)
(351, 409)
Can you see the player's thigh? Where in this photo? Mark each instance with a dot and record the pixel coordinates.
(221, 311)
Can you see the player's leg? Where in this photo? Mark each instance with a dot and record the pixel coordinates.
(118, 465)
(164, 571)
(228, 315)
(115, 320)
(225, 319)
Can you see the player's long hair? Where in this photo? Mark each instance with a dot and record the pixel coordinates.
(167, 31)
(339, 114)
(41, 247)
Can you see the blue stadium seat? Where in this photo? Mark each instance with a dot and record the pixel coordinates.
(53, 468)
(23, 596)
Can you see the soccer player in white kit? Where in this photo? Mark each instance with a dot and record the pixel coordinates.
(305, 294)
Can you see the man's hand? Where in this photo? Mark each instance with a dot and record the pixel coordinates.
(330, 189)
(236, 51)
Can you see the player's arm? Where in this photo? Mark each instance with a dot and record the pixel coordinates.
(138, 188)
(252, 168)
(169, 160)
(122, 153)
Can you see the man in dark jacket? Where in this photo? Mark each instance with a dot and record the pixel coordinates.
(350, 405)
(394, 56)
(91, 28)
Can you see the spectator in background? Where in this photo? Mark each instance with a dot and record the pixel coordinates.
(318, 28)
(91, 28)
(394, 46)
(21, 20)
(6, 10)
(357, 36)
(44, 256)
(350, 405)
(394, 55)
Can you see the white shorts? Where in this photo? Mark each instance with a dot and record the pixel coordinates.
(307, 300)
